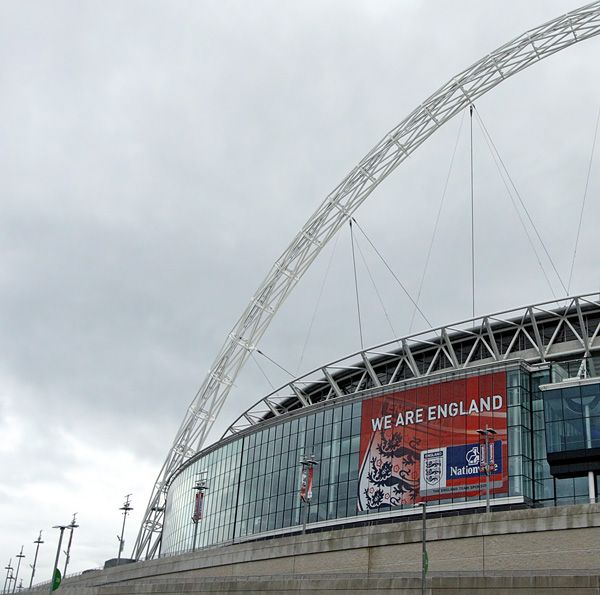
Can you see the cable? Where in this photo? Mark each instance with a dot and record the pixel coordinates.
(261, 369)
(392, 273)
(514, 204)
(274, 362)
(587, 181)
(539, 237)
(472, 218)
(314, 314)
(395, 334)
(356, 286)
(437, 222)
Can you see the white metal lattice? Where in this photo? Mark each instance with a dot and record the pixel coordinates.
(509, 59)
(536, 333)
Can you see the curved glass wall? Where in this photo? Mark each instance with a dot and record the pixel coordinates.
(372, 441)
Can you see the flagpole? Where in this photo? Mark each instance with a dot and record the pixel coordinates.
(126, 508)
(55, 567)
(38, 541)
(20, 556)
(72, 526)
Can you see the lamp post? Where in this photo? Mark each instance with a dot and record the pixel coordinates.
(486, 461)
(11, 577)
(20, 555)
(126, 508)
(38, 542)
(8, 568)
(200, 488)
(308, 464)
(424, 555)
(72, 526)
(55, 567)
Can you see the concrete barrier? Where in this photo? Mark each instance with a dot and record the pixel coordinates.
(535, 550)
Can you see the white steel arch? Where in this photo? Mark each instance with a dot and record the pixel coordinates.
(509, 59)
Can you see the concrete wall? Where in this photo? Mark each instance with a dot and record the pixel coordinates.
(516, 547)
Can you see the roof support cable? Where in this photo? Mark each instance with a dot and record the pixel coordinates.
(587, 182)
(520, 199)
(519, 215)
(275, 363)
(364, 260)
(318, 303)
(262, 370)
(356, 286)
(437, 223)
(472, 215)
(387, 266)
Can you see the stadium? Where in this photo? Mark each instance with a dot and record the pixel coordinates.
(485, 432)
(396, 424)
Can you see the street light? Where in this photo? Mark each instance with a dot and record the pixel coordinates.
(199, 487)
(8, 568)
(38, 541)
(126, 508)
(486, 461)
(72, 526)
(424, 555)
(308, 464)
(11, 577)
(55, 569)
(20, 555)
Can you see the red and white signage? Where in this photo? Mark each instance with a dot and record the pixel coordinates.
(307, 483)
(198, 507)
(422, 443)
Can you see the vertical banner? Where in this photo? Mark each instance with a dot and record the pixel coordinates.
(422, 443)
(198, 506)
(303, 483)
(306, 483)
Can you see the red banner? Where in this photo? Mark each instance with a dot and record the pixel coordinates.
(423, 444)
(306, 483)
(198, 507)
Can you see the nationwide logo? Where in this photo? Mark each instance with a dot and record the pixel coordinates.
(453, 468)
(473, 456)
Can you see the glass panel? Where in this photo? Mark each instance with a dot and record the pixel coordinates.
(572, 403)
(553, 405)
(574, 436)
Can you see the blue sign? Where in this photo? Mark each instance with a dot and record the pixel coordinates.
(468, 460)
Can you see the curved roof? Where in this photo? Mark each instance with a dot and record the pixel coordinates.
(534, 333)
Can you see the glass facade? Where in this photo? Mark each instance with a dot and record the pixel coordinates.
(572, 416)
(254, 479)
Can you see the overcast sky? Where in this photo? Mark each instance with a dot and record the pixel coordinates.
(155, 159)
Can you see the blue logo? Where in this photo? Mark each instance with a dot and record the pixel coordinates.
(468, 460)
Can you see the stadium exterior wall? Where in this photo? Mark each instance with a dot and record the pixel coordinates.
(385, 448)
(547, 550)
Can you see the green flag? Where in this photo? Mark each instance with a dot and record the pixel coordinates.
(56, 580)
(425, 562)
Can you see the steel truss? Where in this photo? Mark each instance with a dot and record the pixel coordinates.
(334, 212)
(538, 333)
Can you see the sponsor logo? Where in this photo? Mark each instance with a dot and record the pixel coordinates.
(445, 469)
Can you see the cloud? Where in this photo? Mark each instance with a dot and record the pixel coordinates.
(156, 160)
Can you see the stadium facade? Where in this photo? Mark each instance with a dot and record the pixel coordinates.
(246, 500)
(404, 422)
